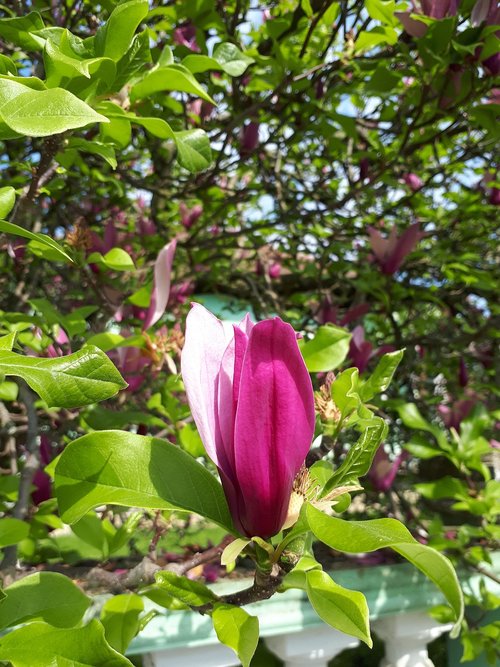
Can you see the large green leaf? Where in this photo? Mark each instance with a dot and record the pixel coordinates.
(19, 30)
(238, 630)
(343, 609)
(172, 77)
(192, 593)
(12, 531)
(42, 113)
(136, 471)
(120, 618)
(11, 228)
(360, 456)
(326, 350)
(365, 536)
(41, 645)
(43, 596)
(85, 377)
(113, 39)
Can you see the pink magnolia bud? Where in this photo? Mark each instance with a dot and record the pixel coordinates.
(185, 35)
(249, 139)
(189, 215)
(274, 271)
(413, 181)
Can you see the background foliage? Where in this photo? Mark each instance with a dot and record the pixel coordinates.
(325, 161)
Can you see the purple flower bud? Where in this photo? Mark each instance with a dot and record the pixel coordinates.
(252, 401)
(185, 35)
(413, 181)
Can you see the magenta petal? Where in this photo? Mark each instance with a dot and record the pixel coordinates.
(161, 284)
(204, 347)
(274, 425)
(413, 27)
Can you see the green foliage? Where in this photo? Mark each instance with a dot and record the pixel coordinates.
(34, 645)
(366, 536)
(79, 379)
(320, 163)
(43, 596)
(133, 470)
(238, 630)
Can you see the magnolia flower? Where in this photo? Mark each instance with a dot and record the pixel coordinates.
(436, 9)
(383, 471)
(252, 400)
(413, 181)
(361, 350)
(161, 284)
(189, 215)
(185, 35)
(390, 252)
(249, 138)
(453, 415)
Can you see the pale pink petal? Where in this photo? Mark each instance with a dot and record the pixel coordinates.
(204, 347)
(161, 284)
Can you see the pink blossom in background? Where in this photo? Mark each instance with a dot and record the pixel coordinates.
(413, 181)
(180, 291)
(329, 313)
(252, 400)
(463, 375)
(42, 481)
(454, 414)
(383, 471)
(199, 109)
(274, 270)
(161, 284)
(436, 9)
(189, 216)
(249, 138)
(390, 252)
(185, 35)
(361, 350)
(131, 362)
(494, 197)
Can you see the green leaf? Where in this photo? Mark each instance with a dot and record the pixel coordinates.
(12, 531)
(345, 391)
(360, 456)
(90, 529)
(59, 66)
(343, 609)
(238, 630)
(193, 150)
(43, 596)
(39, 644)
(8, 391)
(411, 417)
(7, 201)
(7, 342)
(116, 260)
(382, 376)
(233, 550)
(105, 151)
(327, 350)
(136, 471)
(196, 63)
(366, 536)
(18, 30)
(120, 618)
(42, 113)
(11, 228)
(85, 377)
(113, 39)
(172, 77)
(231, 59)
(192, 593)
